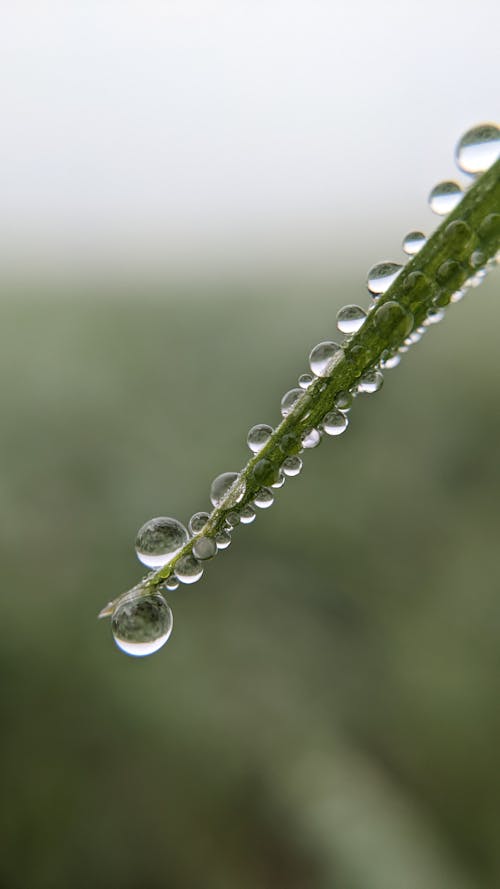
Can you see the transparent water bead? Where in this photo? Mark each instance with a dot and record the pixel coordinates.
(171, 583)
(247, 515)
(289, 401)
(370, 382)
(204, 548)
(390, 362)
(197, 522)
(381, 276)
(228, 487)
(478, 148)
(434, 316)
(344, 400)
(324, 357)
(292, 466)
(335, 423)
(158, 540)
(188, 569)
(141, 625)
(258, 436)
(264, 498)
(350, 318)
(444, 197)
(223, 540)
(305, 381)
(413, 242)
(232, 520)
(311, 439)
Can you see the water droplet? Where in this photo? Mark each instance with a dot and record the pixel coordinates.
(280, 481)
(335, 422)
(158, 540)
(204, 548)
(264, 472)
(344, 400)
(392, 319)
(197, 522)
(247, 515)
(477, 259)
(289, 401)
(444, 197)
(489, 228)
(258, 436)
(458, 234)
(390, 362)
(264, 498)
(350, 318)
(450, 272)
(324, 357)
(291, 466)
(223, 540)
(381, 276)
(311, 438)
(171, 583)
(305, 381)
(232, 520)
(370, 382)
(478, 148)
(413, 242)
(290, 443)
(434, 316)
(188, 569)
(142, 624)
(228, 487)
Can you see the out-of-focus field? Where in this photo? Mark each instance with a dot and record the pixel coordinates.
(326, 714)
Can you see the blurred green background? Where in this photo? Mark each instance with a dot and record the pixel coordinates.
(325, 714)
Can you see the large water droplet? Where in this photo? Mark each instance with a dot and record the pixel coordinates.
(204, 548)
(158, 540)
(228, 487)
(188, 569)
(142, 624)
(197, 522)
(444, 197)
(291, 466)
(258, 436)
(289, 401)
(324, 357)
(413, 242)
(311, 438)
(264, 498)
(381, 276)
(335, 423)
(478, 148)
(370, 382)
(350, 318)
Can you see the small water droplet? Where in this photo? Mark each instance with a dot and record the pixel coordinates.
(264, 472)
(478, 148)
(158, 540)
(289, 401)
(350, 318)
(477, 259)
(258, 436)
(335, 422)
(458, 234)
(449, 272)
(434, 316)
(204, 548)
(232, 520)
(171, 583)
(489, 228)
(227, 487)
(280, 481)
(343, 400)
(413, 242)
(247, 515)
(188, 569)
(197, 522)
(324, 357)
(305, 381)
(370, 382)
(142, 624)
(223, 540)
(291, 466)
(290, 443)
(264, 498)
(390, 362)
(381, 276)
(444, 197)
(311, 438)
(392, 319)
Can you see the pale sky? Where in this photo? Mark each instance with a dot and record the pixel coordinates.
(212, 132)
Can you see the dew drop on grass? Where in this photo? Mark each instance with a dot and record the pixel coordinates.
(478, 148)
(444, 197)
(264, 498)
(197, 522)
(258, 436)
(227, 487)
(413, 242)
(141, 625)
(305, 381)
(247, 515)
(381, 276)
(311, 438)
(171, 583)
(291, 466)
(324, 357)
(204, 548)
(335, 423)
(223, 540)
(370, 382)
(188, 569)
(289, 401)
(158, 540)
(344, 400)
(350, 318)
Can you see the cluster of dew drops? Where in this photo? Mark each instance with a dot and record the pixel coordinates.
(142, 623)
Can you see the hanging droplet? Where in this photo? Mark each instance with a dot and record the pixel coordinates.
(370, 382)
(350, 318)
(171, 583)
(158, 540)
(390, 362)
(344, 400)
(142, 624)
(247, 515)
(413, 242)
(227, 487)
(258, 436)
(223, 540)
(264, 498)
(280, 481)
(289, 401)
(291, 466)
(444, 197)
(188, 569)
(197, 522)
(311, 438)
(478, 148)
(434, 316)
(232, 520)
(324, 357)
(264, 472)
(381, 276)
(305, 381)
(477, 259)
(335, 423)
(204, 548)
